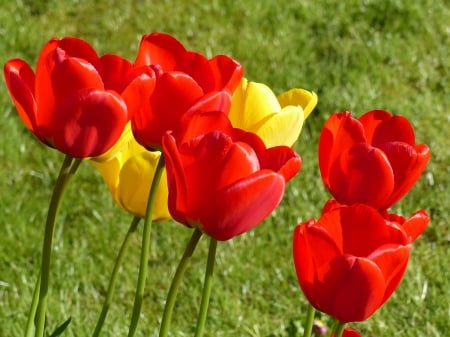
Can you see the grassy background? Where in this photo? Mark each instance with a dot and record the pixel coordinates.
(357, 55)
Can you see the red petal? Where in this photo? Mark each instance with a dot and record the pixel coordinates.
(115, 72)
(159, 48)
(392, 259)
(199, 123)
(361, 174)
(416, 224)
(212, 101)
(172, 97)
(340, 132)
(408, 164)
(60, 77)
(20, 79)
(198, 67)
(364, 230)
(227, 72)
(282, 159)
(137, 92)
(75, 47)
(381, 127)
(243, 205)
(88, 123)
(351, 290)
(176, 179)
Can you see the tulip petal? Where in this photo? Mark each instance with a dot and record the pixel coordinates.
(136, 176)
(58, 77)
(353, 288)
(251, 104)
(307, 100)
(227, 72)
(408, 164)
(20, 79)
(381, 127)
(360, 222)
(116, 72)
(173, 95)
(281, 159)
(362, 174)
(340, 132)
(416, 224)
(197, 66)
(392, 260)
(161, 49)
(282, 128)
(88, 123)
(243, 205)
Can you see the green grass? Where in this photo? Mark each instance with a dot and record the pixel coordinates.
(357, 55)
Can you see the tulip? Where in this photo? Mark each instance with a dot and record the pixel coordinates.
(372, 160)
(185, 81)
(277, 120)
(225, 183)
(350, 261)
(76, 102)
(128, 170)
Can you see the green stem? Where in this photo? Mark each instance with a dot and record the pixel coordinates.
(113, 279)
(331, 330)
(339, 330)
(206, 288)
(67, 170)
(143, 267)
(34, 302)
(176, 281)
(309, 321)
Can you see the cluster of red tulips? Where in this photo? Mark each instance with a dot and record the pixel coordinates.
(177, 135)
(351, 260)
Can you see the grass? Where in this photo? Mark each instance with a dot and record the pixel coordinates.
(357, 55)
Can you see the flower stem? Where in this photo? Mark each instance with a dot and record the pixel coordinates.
(176, 281)
(113, 279)
(339, 330)
(309, 321)
(206, 288)
(33, 307)
(68, 169)
(143, 267)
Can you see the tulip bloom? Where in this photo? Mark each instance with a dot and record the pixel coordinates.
(185, 81)
(128, 170)
(76, 102)
(350, 261)
(372, 160)
(277, 120)
(226, 183)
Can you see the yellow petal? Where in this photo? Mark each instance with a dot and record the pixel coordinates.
(299, 97)
(135, 179)
(282, 128)
(251, 104)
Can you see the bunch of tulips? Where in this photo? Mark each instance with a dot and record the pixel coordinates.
(176, 135)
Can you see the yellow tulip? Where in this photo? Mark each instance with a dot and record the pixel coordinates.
(277, 120)
(128, 170)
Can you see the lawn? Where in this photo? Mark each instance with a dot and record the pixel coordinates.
(356, 55)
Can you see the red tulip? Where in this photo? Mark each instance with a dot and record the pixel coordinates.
(372, 160)
(185, 81)
(350, 261)
(76, 102)
(225, 183)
